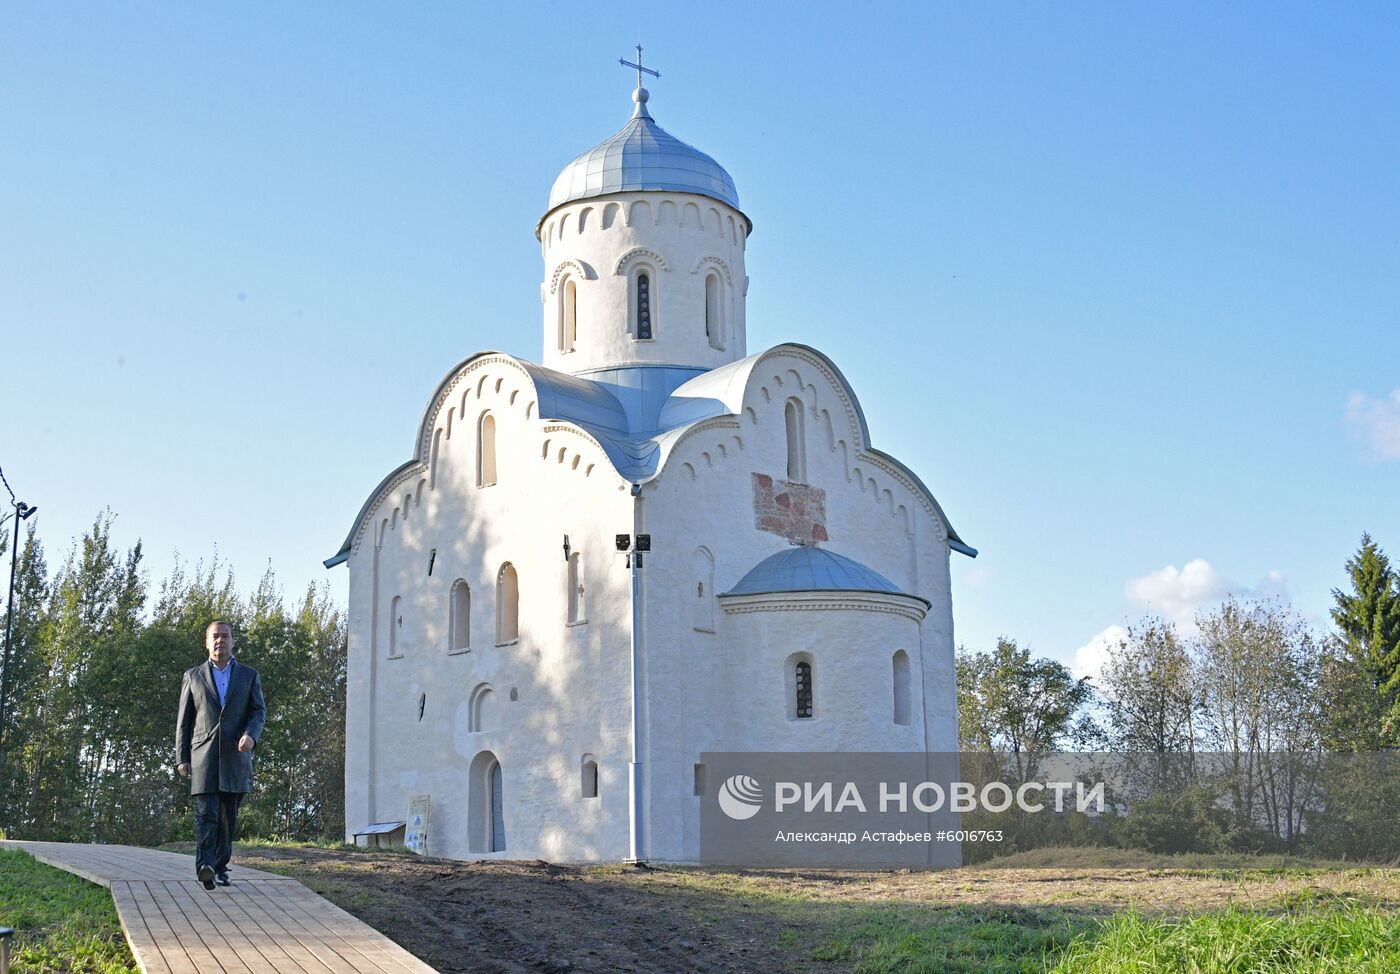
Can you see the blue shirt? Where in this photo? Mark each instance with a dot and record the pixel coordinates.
(221, 679)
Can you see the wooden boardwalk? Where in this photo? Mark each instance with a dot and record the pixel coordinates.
(262, 924)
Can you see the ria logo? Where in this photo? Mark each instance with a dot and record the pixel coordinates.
(740, 797)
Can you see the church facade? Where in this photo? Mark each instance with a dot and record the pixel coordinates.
(508, 660)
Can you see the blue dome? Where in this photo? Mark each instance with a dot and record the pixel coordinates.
(643, 156)
(805, 569)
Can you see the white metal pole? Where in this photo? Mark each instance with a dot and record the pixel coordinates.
(634, 767)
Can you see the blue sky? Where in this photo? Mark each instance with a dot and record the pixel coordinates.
(1121, 282)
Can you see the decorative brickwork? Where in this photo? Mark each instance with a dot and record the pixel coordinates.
(795, 511)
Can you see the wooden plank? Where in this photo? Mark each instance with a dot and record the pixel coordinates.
(258, 953)
(139, 938)
(174, 954)
(323, 919)
(186, 934)
(59, 860)
(293, 957)
(264, 924)
(272, 917)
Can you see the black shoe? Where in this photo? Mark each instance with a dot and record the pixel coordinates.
(221, 877)
(206, 876)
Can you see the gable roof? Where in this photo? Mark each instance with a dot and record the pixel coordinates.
(638, 415)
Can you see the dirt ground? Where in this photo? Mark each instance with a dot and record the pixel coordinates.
(535, 916)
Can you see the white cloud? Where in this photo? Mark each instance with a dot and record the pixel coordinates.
(1378, 422)
(1090, 658)
(1178, 593)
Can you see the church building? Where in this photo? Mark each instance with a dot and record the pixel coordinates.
(650, 545)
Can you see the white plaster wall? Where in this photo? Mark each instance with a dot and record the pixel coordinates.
(571, 681)
(684, 236)
(703, 690)
(698, 697)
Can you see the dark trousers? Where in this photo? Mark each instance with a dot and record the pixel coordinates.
(215, 828)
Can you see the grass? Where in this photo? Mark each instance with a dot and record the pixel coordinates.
(1350, 940)
(63, 924)
(952, 940)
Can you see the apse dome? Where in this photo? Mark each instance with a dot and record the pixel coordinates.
(810, 569)
(643, 156)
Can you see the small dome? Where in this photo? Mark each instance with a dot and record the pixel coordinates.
(643, 156)
(806, 569)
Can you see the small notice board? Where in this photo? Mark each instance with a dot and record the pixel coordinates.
(416, 832)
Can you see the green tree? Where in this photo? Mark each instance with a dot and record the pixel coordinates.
(1362, 673)
(1148, 690)
(25, 670)
(1010, 703)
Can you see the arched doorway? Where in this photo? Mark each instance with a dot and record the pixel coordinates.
(486, 820)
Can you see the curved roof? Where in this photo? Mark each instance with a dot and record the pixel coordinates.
(638, 415)
(809, 569)
(642, 156)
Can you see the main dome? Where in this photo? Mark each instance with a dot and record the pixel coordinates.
(643, 156)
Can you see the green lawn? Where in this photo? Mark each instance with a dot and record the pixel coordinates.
(62, 923)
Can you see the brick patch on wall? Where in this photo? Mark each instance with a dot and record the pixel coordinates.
(795, 511)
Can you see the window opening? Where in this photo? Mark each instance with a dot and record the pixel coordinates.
(804, 689)
(643, 306)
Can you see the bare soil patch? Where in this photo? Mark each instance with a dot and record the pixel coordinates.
(536, 916)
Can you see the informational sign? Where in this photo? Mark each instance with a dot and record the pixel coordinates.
(416, 832)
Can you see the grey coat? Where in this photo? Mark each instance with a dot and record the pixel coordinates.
(207, 735)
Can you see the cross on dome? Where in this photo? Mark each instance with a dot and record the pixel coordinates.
(641, 95)
(628, 64)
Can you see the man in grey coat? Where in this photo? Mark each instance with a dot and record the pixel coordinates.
(219, 722)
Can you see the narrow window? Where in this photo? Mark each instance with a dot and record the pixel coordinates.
(486, 451)
(796, 447)
(460, 620)
(568, 315)
(714, 320)
(396, 626)
(576, 613)
(589, 777)
(643, 305)
(699, 779)
(507, 605)
(804, 689)
(703, 612)
(901, 687)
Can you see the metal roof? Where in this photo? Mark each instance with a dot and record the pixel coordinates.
(643, 156)
(810, 569)
(638, 414)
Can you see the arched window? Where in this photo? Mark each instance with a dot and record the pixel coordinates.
(396, 626)
(796, 443)
(460, 619)
(703, 570)
(588, 784)
(568, 315)
(714, 314)
(482, 715)
(576, 613)
(901, 688)
(643, 304)
(486, 451)
(801, 694)
(803, 678)
(507, 605)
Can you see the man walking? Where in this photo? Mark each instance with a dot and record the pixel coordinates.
(219, 722)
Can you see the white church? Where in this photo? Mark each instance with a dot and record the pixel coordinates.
(514, 670)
